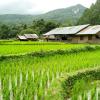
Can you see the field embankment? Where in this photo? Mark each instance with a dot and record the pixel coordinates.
(79, 83)
(22, 48)
(35, 75)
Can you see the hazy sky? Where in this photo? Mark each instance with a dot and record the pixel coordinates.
(38, 6)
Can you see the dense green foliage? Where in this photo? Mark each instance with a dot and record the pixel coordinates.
(7, 32)
(91, 15)
(66, 15)
(37, 27)
(41, 26)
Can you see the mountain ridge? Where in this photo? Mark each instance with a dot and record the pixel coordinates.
(70, 14)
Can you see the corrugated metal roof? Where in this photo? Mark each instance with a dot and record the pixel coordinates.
(67, 30)
(30, 36)
(90, 30)
(22, 37)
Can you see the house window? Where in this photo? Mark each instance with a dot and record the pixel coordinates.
(81, 38)
(90, 37)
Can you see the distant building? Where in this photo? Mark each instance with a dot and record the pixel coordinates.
(26, 37)
(90, 35)
(31, 36)
(76, 34)
(65, 33)
(22, 38)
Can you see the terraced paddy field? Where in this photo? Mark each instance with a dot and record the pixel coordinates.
(91, 90)
(82, 85)
(40, 72)
(17, 47)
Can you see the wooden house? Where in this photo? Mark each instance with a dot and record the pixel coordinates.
(89, 35)
(26, 37)
(31, 36)
(21, 38)
(66, 33)
(77, 34)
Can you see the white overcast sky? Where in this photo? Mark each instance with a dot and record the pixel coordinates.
(38, 6)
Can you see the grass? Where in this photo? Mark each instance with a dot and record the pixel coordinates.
(17, 47)
(85, 90)
(33, 76)
(37, 77)
(81, 83)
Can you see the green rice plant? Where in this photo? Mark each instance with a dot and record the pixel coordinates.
(81, 84)
(30, 77)
(18, 48)
(86, 91)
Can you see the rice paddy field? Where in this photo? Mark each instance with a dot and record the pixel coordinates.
(31, 77)
(16, 48)
(91, 90)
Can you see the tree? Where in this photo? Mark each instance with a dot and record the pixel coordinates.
(41, 26)
(49, 26)
(24, 26)
(27, 31)
(92, 15)
(38, 27)
(4, 32)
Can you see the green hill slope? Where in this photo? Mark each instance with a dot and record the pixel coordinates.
(68, 15)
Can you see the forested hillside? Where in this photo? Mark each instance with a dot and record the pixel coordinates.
(37, 27)
(92, 15)
(68, 16)
(12, 24)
